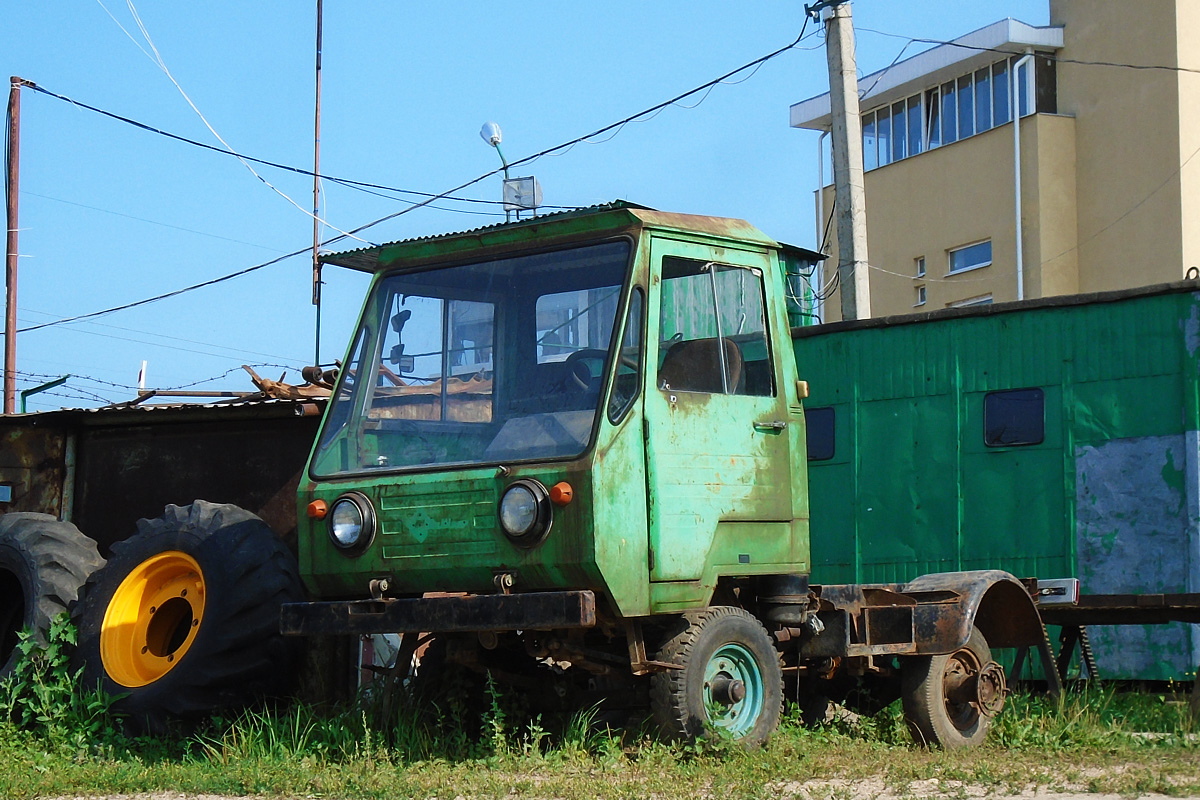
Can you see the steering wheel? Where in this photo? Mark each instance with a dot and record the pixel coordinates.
(578, 367)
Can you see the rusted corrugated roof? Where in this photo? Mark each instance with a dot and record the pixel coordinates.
(356, 258)
(251, 407)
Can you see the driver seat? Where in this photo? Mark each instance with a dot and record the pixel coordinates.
(695, 366)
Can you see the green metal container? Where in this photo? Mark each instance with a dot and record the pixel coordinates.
(1053, 439)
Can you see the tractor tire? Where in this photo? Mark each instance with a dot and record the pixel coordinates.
(43, 562)
(728, 678)
(183, 620)
(949, 700)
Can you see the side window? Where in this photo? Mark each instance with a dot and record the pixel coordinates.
(819, 424)
(629, 361)
(1016, 417)
(714, 325)
(569, 322)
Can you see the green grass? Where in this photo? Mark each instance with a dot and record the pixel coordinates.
(55, 741)
(1091, 741)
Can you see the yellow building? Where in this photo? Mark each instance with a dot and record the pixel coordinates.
(1103, 175)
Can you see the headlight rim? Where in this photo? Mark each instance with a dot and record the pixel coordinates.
(366, 510)
(543, 519)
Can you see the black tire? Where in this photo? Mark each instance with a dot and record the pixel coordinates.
(43, 562)
(724, 643)
(235, 654)
(937, 710)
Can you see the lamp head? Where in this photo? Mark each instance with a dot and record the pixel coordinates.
(490, 133)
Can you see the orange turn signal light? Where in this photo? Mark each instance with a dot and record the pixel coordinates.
(561, 493)
(317, 509)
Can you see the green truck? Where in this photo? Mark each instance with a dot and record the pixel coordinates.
(590, 428)
(569, 451)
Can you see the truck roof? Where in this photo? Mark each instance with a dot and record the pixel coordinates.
(611, 217)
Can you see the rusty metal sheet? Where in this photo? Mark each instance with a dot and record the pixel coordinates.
(490, 612)
(1125, 609)
(106, 468)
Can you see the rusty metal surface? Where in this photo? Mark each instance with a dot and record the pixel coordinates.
(490, 612)
(131, 462)
(1125, 609)
(33, 462)
(930, 615)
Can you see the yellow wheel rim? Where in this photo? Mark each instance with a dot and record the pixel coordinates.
(152, 619)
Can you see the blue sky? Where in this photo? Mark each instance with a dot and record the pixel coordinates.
(111, 214)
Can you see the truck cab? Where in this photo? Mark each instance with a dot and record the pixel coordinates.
(580, 438)
(622, 356)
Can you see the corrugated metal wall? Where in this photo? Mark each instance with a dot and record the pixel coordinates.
(912, 487)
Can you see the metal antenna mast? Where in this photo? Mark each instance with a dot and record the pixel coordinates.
(316, 264)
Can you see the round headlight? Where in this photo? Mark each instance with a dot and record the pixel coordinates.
(525, 512)
(351, 522)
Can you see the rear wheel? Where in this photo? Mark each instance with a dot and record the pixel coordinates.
(43, 562)
(727, 678)
(184, 618)
(949, 700)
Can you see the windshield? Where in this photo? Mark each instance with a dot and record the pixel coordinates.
(495, 361)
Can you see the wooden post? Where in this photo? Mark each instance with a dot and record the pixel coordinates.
(10, 269)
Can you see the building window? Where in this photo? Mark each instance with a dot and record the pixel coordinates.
(920, 262)
(971, 256)
(818, 423)
(970, 104)
(981, 300)
(1014, 418)
(920, 296)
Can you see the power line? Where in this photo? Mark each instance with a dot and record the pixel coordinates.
(352, 184)
(415, 205)
(175, 293)
(617, 126)
(148, 221)
(1048, 56)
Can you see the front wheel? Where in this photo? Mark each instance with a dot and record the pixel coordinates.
(184, 617)
(949, 700)
(727, 678)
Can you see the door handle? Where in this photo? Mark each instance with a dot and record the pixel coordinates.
(770, 427)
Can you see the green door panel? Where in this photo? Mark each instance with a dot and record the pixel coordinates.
(711, 457)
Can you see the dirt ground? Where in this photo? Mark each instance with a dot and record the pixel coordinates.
(870, 789)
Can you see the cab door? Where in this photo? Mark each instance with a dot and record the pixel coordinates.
(717, 443)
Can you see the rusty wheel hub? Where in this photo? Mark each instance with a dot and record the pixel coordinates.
(971, 688)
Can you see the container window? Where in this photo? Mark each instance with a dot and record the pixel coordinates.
(819, 424)
(1013, 418)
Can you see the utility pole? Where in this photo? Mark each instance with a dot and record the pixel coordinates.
(316, 264)
(12, 190)
(846, 143)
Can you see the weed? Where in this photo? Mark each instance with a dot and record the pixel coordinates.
(41, 693)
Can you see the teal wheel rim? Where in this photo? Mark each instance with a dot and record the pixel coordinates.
(735, 712)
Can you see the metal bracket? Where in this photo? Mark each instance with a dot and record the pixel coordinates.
(814, 11)
(638, 663)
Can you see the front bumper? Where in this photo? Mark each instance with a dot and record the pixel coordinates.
(482, 612)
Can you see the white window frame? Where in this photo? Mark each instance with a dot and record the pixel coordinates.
(922, 297)
(1029, 86)
(950, 270)
(980, 300)
(919, 261)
